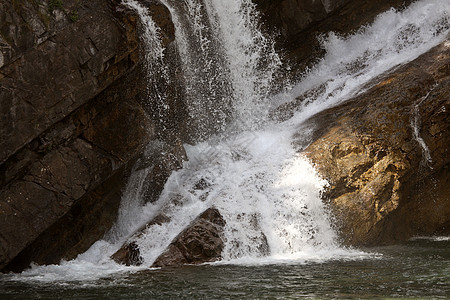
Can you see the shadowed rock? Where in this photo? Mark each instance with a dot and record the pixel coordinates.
(201, 242)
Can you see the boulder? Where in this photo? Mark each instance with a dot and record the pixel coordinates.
(200, 242)
(385, 186)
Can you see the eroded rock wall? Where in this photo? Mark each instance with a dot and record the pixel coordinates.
(74, 118)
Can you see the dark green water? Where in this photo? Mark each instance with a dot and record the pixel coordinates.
(418, 269)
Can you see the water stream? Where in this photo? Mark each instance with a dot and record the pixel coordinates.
(251, 170)
(415, 124)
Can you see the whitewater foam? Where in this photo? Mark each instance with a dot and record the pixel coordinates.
(350, 62)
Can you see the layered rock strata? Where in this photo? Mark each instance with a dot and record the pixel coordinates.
(74, 119)
(385, 184)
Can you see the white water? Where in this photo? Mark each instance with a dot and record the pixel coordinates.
(150, 34)
(229, 65)
(258, 180)
(415, 124)
(394, 38)
(251, 58)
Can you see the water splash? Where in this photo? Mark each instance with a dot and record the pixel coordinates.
(268, 194)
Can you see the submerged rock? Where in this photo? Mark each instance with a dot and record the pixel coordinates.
(385, 186)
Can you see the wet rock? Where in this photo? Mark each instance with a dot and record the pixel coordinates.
(382, 187)
(72, 123)
(129, 255)
(300, 23)
(201, 242)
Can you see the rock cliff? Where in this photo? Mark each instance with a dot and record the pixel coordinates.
(385, 154)
(73, 121)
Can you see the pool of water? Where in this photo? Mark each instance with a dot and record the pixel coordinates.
(419, 268)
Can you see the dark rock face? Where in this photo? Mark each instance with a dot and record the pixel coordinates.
(301, 22)
(70, 129)
(292, 16)
(201, 242)
(383, 189)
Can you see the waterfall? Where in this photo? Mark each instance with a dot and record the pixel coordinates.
(252, 172)
(415, 125)
(228, 64)
(268, 193)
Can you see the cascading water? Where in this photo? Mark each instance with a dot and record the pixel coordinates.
(205, 75)
(267, 192)
(415, 124)
(228, 64)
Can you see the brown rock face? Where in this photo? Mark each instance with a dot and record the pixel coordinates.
(72, 124)
(201, 242)
(383, 188)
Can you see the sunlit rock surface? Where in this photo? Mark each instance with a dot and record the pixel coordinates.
(384, 186)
